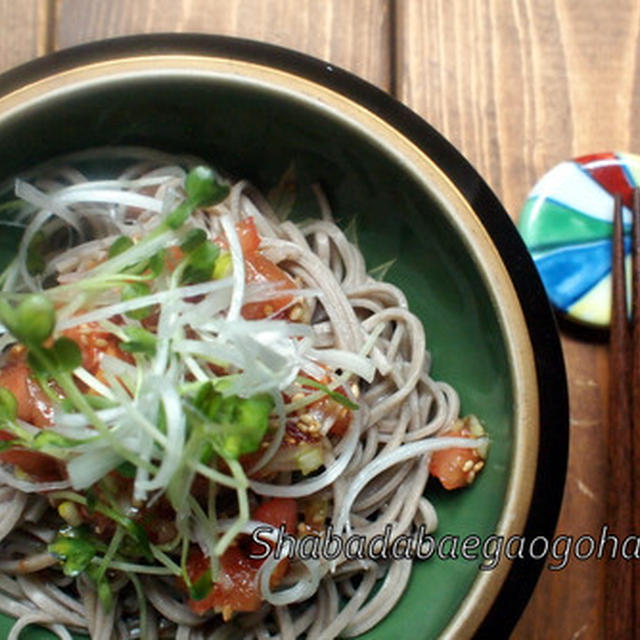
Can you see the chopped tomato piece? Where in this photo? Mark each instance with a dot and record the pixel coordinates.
(328, 409)
(39, 466)
(35, 407)
(278, 511)
(33, 404)
(458, 467)
(237, 588)
(247, 234)
(94, 343)
(261, 270)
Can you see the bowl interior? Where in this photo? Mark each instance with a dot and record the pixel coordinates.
(254, 132)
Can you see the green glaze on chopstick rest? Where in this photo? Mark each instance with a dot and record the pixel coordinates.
(567, 222)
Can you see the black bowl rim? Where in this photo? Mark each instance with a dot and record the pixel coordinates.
(540, 321)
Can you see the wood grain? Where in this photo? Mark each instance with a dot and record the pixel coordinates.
(349, 33)
(519, 86)
(25, 28)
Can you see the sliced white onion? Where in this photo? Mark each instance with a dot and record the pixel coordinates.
(160, 297)
(345, 360)
(87, 468)
(237, 261)
(176, 433)
(108, 196)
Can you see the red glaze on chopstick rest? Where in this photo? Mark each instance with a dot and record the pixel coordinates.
(567, 222)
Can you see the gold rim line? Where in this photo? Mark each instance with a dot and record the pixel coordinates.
(461, 216)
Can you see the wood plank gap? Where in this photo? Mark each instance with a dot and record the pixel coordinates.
(49, 35)
(393, 48)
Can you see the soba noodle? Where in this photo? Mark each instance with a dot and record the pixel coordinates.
(372, 475)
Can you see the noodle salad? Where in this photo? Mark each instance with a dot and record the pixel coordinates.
(182, 365)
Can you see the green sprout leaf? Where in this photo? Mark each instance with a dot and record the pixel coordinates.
(133, 290)
(63, 357)
(157, 262)
(127, 470)
(193, 239)
(120, 245)
(203, 189)
(202, 587)
(74, 548)
(139, 340)
(67, 354)
(234, 426)
(201, 263)
(33, 321)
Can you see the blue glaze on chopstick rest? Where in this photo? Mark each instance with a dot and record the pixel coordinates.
(566, 223)
(574, 269)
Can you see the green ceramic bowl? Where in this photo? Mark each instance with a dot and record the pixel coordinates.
(252, 109)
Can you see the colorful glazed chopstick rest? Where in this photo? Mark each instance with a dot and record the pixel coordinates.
(567, 222)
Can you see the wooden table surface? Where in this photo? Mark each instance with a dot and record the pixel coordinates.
(516, 85)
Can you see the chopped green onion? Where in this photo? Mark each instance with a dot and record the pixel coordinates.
(309, 457)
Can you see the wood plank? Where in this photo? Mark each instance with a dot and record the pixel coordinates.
(518, 86)
(334, 30)
(25, 28)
